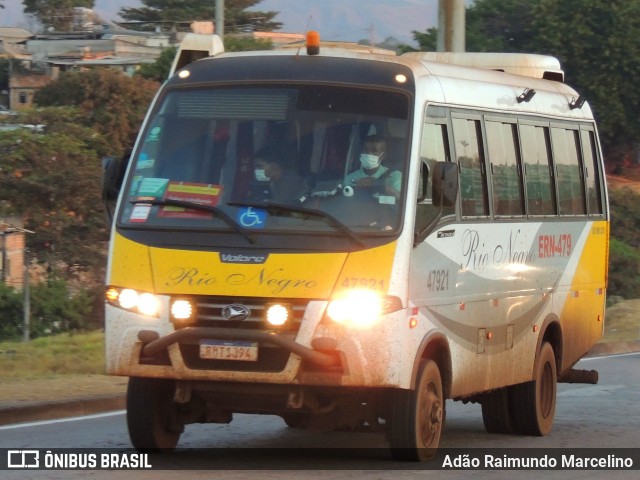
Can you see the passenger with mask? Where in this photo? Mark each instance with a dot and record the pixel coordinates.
(285, 184)
(372, 174)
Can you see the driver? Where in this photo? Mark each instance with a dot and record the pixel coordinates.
(372, 172)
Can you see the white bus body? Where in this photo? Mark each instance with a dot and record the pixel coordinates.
(482, 279)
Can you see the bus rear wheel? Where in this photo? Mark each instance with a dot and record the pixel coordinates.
(533, 404)
(152, 415)
(418, 416)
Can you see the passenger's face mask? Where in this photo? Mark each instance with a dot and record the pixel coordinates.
(370, 161)
(260, 175)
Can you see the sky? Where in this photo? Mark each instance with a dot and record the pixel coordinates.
(347, 20)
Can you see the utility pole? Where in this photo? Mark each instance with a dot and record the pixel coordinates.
(26, 297)
(451, 26)
(219, 18)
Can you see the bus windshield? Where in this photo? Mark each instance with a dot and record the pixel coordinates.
(291, 158)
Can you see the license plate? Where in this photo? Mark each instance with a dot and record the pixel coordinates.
(223, 350)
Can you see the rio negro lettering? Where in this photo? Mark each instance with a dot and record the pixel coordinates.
(274, 279)
(477, 255)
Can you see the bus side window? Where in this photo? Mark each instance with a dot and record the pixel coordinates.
(502, 150)
(434, 147)
(473, 179)
(536, 155)
(569, 171)
(592, 174)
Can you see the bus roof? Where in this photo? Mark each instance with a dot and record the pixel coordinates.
(526, 64)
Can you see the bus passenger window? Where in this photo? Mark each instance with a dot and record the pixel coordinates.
(473, 181)
(569, 171)
(505, 169)
(535, 147)
(592, 177)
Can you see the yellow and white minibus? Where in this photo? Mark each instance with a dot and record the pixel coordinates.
(348, 238)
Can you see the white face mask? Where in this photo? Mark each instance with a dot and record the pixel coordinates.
(370, 161)
(260, 175)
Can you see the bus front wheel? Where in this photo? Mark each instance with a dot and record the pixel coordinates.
(417, 416)
(151, 415)
(533, 404)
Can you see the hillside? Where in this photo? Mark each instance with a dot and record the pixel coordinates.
(617, 181)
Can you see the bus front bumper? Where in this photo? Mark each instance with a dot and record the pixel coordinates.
(154, 344)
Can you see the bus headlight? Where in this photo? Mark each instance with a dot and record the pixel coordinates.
(360, 308)
(143, 303)
(148, 304)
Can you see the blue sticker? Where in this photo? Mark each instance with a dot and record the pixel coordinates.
(250, 217)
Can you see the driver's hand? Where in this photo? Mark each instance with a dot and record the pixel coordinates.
(365, 182)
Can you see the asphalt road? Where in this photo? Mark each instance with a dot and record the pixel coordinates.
(606, 416)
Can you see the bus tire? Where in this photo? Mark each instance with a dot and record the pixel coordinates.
(417, 416)
(496, 413)
(296, 420)
(151, 415)
(533, 404)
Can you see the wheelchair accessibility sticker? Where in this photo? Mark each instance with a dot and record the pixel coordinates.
(250, 217)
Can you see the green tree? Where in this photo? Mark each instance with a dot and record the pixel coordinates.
(236, 14)
(241, 44)
(55, 309)
(11, 308)
(598, 43)
(500, 26)
(111, 102)
(624, 255)
(53, 181)
(56, 14)
(427, 41)
(158, 70)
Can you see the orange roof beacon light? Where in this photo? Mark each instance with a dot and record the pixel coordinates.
(313, 42)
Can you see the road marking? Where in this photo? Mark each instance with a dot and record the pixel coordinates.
(62, 420)
(612, 355)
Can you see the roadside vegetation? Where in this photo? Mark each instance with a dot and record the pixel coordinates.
(51, 176)
(62, 354)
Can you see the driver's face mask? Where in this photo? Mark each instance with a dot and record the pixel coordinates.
(370, 161)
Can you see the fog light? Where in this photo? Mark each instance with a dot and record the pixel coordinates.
(277, 315)
(181, 310)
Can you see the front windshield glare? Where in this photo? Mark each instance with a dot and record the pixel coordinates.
(211, 156)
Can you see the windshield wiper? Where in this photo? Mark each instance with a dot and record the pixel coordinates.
(283, 207)
(205, 208)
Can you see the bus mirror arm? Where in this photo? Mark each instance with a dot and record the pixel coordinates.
(445, 184)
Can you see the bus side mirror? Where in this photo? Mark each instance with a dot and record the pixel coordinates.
(445, 184)
(113, 169)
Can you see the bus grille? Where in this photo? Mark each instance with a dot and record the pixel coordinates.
(271, 358)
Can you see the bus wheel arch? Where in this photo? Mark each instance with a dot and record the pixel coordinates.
(436, 348)
(551, 332)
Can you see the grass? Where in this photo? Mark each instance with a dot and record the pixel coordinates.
(67, 354)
